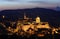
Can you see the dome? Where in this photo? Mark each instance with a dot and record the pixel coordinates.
(37, 19)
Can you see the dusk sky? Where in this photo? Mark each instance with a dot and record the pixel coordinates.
(21, 4)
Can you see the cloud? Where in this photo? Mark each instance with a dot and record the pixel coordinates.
(45, 1)
(34, 1)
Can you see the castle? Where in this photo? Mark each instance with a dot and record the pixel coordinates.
(37, 23)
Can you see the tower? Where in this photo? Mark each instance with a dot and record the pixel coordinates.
(25, 16)
(37, 19)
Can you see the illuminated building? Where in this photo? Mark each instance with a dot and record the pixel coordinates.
(25, 25)
(40, 24)
(37, 19)
(43, 25)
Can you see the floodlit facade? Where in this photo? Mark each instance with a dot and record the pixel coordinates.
(43, 25)
(34, 26)
(37, 19)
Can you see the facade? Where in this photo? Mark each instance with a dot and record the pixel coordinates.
(37, 19)
(26, 25)
(35, 25)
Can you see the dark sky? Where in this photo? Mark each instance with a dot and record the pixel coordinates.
(21, 4)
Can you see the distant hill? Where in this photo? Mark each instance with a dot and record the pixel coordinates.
(57, 9)
(51, 16)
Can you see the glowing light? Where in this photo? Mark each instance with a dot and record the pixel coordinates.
(38, 20)
(3, 16)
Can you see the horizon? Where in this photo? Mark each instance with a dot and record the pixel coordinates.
(23, 4)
